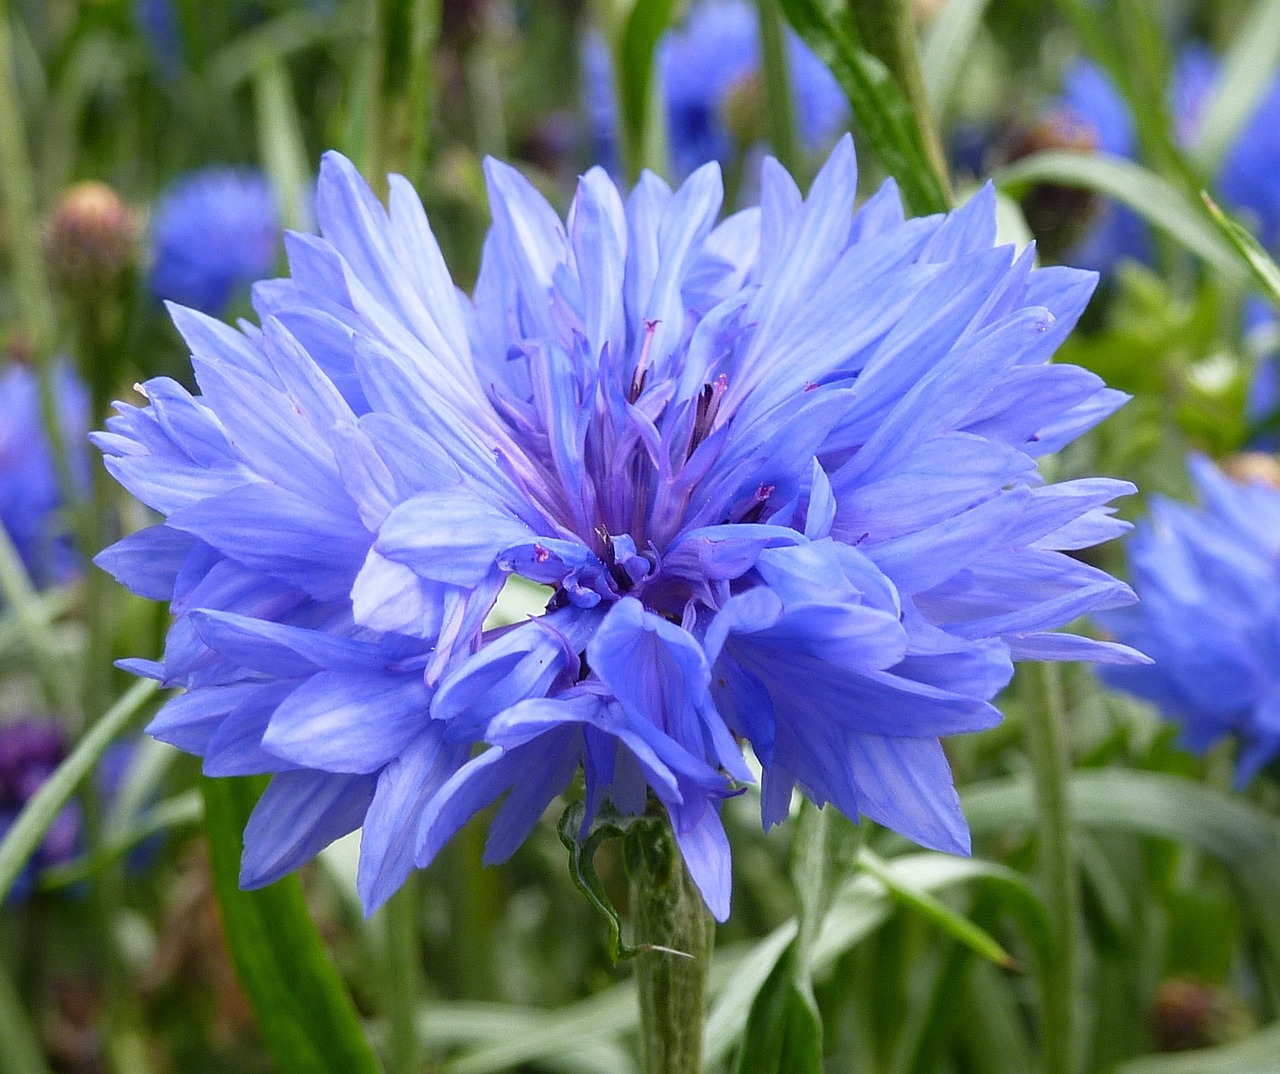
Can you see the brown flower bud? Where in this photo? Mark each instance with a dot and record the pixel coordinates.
(1191, 1014)
(91, 236)
(1057, 215)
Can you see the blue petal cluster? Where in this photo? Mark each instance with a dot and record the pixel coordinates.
(30, 496)
(703, 64)
(777, 473)
(1209, 579)
(214, 233)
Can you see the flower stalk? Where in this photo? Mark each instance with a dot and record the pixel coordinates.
(886, 31)
(779, 97)
(1051, 767)
(403, 978)
(675, 933)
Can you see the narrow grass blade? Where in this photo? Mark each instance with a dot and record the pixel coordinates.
(22, 839)
(303, 1009)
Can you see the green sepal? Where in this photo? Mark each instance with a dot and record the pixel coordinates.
(608, 824)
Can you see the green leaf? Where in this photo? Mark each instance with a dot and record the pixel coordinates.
(178, 812)
(22, 1053)
(280, 142)
(938, 913)
(1264, 269)
(273, 41)
(860, 907)
(1246, 73)
(452, 1025)
(1155, 199)
(784, 1029)
(305, 1014)
(1253, 1055)
(883, 114)
(24, 836)
(947, 47)
(1158, 806)
(583, 870)
(633, 55)
(784, 1032)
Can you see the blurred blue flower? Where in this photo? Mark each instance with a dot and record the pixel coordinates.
(777, 473)
(30, 749)
(214, 233)
(1209, 580)
(30, 497)
(158, 21)
(1262, 338)
(713, 57)
(1246, 179)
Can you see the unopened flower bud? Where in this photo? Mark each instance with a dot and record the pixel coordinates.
(742, 109)
(1058, 215)
(91, 236)
(1190, 1014)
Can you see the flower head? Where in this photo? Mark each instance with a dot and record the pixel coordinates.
(776, 472)
(214, 233)
(1209, 579)
(710, 70)
(30, 497)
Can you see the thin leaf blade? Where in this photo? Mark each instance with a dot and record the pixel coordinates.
(305, 1014)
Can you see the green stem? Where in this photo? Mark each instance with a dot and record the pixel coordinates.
(675, 931)
(779, 102)
(364, 139)
(22, 1053)
(281, 145)
(886, 31)
(17, 175)
(403, 977)
(426, 30)
(1051, 768)
(484, 92)
(22, 231)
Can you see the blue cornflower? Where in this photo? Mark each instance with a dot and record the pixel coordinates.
(215, 232)
(1209, 579)
(704, 64)
(30, 749)
(1246, 178)
(30, 496)
(777, 473)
